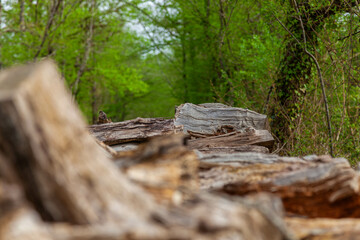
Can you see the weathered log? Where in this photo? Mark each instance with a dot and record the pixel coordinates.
(203, 217)
(234, 139)
(163, 166)
(229, 150)
(215, 119)
(64, 172)
(137, 130)
(312, 186)
(324, 228)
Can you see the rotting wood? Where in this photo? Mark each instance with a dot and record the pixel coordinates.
(313, 187)
(216, 119)
(136, 130)
(235, 139)
(65, 174)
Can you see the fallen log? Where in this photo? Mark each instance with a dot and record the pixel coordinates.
(65, 174)
(313, 186)
(137, 130)
(211, 119)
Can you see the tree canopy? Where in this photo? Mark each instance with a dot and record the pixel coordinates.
(140, 58)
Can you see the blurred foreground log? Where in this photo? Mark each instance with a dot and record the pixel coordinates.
(313, 186)
(204, 216)
(17, 220)
(163, 166)
(63, 171)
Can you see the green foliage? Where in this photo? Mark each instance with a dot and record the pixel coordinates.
(234, 52)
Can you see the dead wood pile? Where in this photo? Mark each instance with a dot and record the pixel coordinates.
(206, 174)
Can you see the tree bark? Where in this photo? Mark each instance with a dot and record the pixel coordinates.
(312, 186)
(137, 130)
(215, 119)
(235, 139)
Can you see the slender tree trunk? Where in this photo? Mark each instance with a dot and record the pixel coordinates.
(184, 75)
(87, 51)
(0, 29)
(0, 13)
(21, 15)
(93, 102)
(53, 11)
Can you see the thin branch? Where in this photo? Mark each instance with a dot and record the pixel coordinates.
(53, 11)
(87, 50)
(350, 35)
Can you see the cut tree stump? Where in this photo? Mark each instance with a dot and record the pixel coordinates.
(64, 172)
(211, 119)
(312, 186)
(137, 130)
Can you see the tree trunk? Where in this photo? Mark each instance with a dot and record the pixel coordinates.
(294, 71)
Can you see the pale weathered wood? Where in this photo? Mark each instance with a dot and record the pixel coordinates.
(23, 224)
(230, 150)
(203, 217)
(215, 119)
(17, 220)
(314, 186)
(64, 172)
(235, 139)
(324, 228)
(136, 130)
(163, 166)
